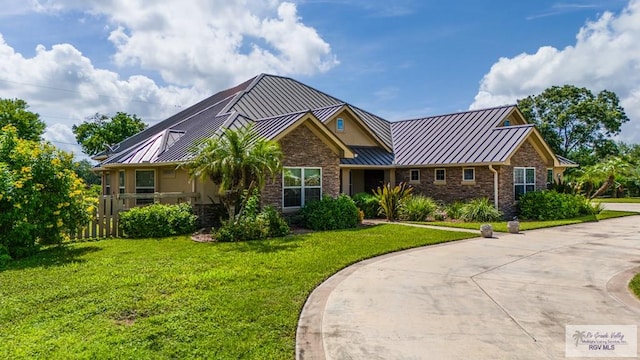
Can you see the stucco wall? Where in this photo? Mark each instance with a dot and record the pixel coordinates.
(353, 133)
(301, 147)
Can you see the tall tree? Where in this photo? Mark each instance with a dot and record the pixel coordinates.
(100, 131)
(575, 122)
(238, 161)
(27, 124)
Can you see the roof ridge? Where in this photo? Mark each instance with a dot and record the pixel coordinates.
(455, 113)
(238, 95)
(282, 115)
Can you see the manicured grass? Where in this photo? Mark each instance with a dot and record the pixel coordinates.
(633, 200)
(174, 298)
(501, 226)
(634, 285)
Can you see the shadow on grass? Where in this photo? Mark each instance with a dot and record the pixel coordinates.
(52, 256)
(269, 246)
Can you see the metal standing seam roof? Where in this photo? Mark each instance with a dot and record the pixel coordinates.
(370, 156)
(210, 107)
(460, 138)
(273, 103)
(566, 162)
(262, 97)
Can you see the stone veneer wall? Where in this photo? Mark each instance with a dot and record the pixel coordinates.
(526, 156)
(454, 189)
(301, 147)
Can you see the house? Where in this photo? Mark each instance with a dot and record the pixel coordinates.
(333, 147)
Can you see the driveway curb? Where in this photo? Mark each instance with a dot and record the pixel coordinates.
(618, 288)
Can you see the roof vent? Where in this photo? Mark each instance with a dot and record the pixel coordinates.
(506, 123)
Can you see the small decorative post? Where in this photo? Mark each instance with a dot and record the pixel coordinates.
(514, 225)
(486, 230)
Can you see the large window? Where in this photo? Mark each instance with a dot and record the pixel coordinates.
(524, 181)
(145, 184)
(301, 186)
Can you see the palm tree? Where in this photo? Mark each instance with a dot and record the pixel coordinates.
(238, 161)
(606, 172)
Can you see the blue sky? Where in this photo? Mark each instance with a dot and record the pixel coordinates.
(399, 59)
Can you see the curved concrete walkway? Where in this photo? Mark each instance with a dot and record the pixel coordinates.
(508, 297)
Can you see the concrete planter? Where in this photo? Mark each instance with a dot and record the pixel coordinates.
(513, 226)
(486, 230)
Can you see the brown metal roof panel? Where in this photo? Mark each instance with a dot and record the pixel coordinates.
(324, 114)
(271, 127)
(214, 102)
(369, 155)
(181, 148)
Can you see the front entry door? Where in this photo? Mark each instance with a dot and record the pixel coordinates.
(373, 179)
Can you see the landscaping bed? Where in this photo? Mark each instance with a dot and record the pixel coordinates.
(501, 226)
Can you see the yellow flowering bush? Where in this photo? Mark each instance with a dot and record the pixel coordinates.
(41, 198)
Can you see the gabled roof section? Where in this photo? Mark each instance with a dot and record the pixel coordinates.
(262, 97)
(272, 95)
(470, 137)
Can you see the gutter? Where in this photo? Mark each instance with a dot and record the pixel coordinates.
(495, 185)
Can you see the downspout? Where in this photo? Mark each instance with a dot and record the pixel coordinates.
(495, 185)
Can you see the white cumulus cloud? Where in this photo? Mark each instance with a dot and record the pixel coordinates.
(606, 55)
(188, 50)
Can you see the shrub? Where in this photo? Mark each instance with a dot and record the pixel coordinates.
(158, 220)
(480, 210)
(551, 205)
(252, 223)
(417, 208)
(331, 214)
(277, 225)
(368, 203)
(454, 210)
(4, 257)
(391, 198)
(41, 198)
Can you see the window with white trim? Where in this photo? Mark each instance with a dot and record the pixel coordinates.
(468, 174)
(121, 179)
(145, 184)
(549, 177)
(524, 180)
(414, 175)
(440, 175)
(300, 186)
(340, 124)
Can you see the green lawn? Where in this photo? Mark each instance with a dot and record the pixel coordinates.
(174, 298)
(633, 200)
(501, 226)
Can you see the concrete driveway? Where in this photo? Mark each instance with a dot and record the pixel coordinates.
(508, 297)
